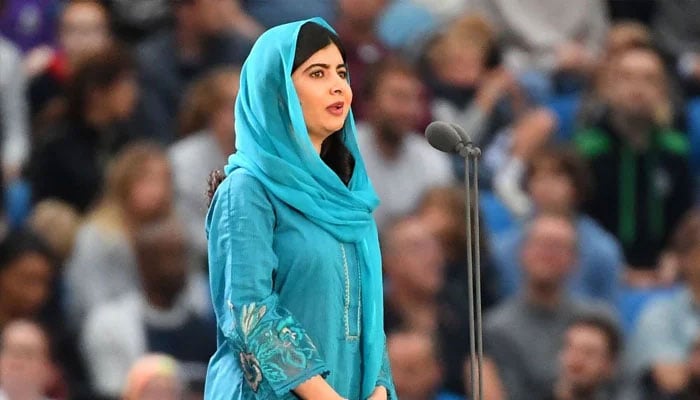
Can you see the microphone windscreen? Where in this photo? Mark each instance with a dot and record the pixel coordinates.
(443, 136)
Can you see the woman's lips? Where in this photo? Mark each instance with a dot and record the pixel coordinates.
(336, 108)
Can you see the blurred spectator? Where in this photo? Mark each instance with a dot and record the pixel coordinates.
(136, 20)
(676, 31)
(525, 332)
(448, 9)
(443, 211)
(103, 266)
(692, 388)
(168, 312)
(72, 155)
(557, 181)
(471, 89)
(401, 163)
(549, 44)
(357, 27)
(588, 360)
(207, 128)
(57, 223)
(29, 23)
(269, 13)
(201, 39)
(415, 366)
(154, 377)
(26, 369)
(639, 165)
(668, 327)
(638, 10)
(26, 273)
(14, 118)
(83, 32)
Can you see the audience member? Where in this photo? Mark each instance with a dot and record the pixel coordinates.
(692, 387)
(14, 117)
(154, 377)
(668, 326)
(201, 39)
(401, 163)
(556, 181)
(549, 45)
(71, 157)
(416, 366)
(678, 36)
(26, 273)
(639, 165)
(26, 369)
(168, 312)
(357, 27)
(136, 20)
(29, 23)
(525, 332)
(588, 360)
(207, 128)
(103, 266)
(83, 31)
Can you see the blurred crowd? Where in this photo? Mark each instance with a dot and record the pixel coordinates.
(113, 113)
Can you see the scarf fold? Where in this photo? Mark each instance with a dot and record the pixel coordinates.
(273, 144)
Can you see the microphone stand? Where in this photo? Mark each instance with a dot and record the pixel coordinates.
(471, 155)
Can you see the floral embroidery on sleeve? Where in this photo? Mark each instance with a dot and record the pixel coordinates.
(273, 347)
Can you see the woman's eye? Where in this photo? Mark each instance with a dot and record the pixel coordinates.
(343, 74)
(317, 74)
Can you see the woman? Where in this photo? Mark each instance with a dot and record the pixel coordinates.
(102, 266)
(293, 250)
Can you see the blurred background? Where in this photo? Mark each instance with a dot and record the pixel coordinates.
(113, 113)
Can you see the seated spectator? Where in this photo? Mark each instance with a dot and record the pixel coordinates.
(154, 377)
(669, 326)
(26, 273)
(552, 45)
(70, 159)
(169, 312)
(103, 266)
(588, 360)
(26, 370)
(416, 366)
(29, 23)
(642, 180)
(556, 181)
(208, 138)
(201, 39)
(83, 31)
(400, 163)
(472, 89)
(357, 27)
(524, 333)
(14, 117)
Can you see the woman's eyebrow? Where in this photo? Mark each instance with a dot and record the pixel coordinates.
(324, 66)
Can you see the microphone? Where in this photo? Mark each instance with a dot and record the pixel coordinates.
(462, 134)
(444, 137)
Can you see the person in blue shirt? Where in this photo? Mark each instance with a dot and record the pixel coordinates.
(294, 261)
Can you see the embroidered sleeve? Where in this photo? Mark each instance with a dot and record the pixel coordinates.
(273, 350)
(385, 378)
(272, 347)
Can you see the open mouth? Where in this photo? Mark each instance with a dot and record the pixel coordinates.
(336, 108)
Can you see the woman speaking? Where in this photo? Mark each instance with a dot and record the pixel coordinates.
(294, 261)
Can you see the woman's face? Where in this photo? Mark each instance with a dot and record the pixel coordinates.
(151, 194)
(324, 93)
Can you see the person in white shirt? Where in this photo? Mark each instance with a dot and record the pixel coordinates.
(400, 162)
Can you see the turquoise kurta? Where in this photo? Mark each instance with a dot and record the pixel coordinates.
(294, 261)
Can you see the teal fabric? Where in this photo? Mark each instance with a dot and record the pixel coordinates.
(294, 258)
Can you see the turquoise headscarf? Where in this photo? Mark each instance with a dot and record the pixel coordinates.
(273, 144)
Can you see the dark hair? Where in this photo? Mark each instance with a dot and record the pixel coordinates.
(312, 38)
(376, 73)
(568, 162)
(606, 326)
(98, 71)
(20, 242)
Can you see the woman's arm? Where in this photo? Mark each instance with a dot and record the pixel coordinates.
(274, 350)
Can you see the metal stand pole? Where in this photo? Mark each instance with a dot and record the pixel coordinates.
(471, 156)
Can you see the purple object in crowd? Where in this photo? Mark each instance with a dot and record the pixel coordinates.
(30, 23)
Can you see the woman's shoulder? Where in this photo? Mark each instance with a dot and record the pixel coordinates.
(241, 182)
